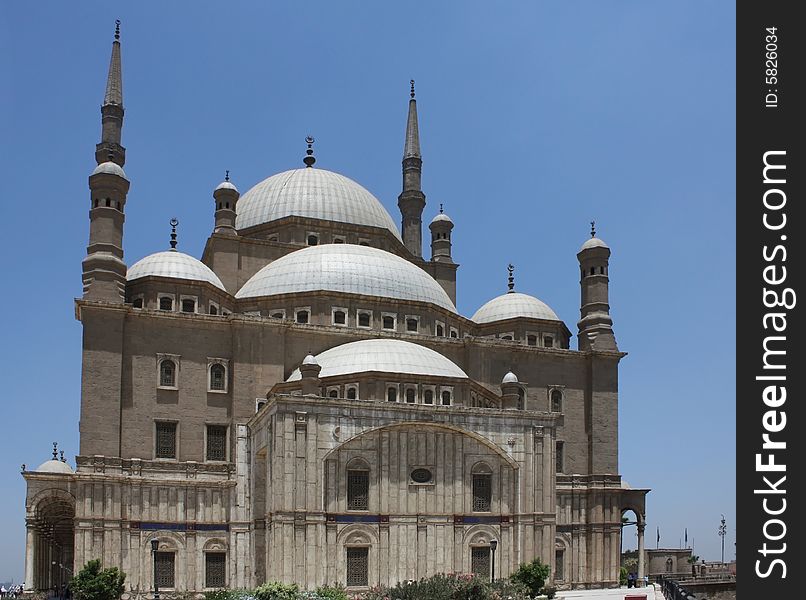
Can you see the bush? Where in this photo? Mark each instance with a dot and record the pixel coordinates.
(532, 575)
(225, 594)
(94, 583)
(277, 591)
(331, 592)
(622, 576)
(451, 586)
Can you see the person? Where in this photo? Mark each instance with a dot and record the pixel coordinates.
(631, 580)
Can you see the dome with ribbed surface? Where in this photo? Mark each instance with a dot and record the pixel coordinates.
(346, 268)
(313, 193)
(172, 263)
(383, 356)
(512, 305)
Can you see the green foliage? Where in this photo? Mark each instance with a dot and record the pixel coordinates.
(693, 558)
(332, 592)
(225, 594)
(451, 586)
(532, 575)
(94, 583)
(274, 590)
(622, 576)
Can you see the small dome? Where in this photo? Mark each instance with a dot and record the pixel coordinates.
(171, 263)
(54, 466)
(226, 185)
(593, 242)
(441, 217)
(383, 356)
(309, 360)
(512, 305)
(346, 268)
(111, 168)
(510, 377)
(314, 193)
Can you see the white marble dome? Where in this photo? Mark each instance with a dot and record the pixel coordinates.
(510, 377)
(110, 168)
(172, 263)
(383, 356)
(54, 466)
(313, 193)
(512, 305)
(593, 242)
(346, 268)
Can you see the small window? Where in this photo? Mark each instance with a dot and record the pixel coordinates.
(166, 303)
(137, 303)
(363, 242)
(334, 393)
(277, 314)
(358, 489)
(412, 324)
(215, 569)
(556, 401)
(168, 373)
(507, 337)
(213, 309)
(216, 442)
(482, 492)
(313, 240)
(388, 322)
(364, 319)
(338, 240)
(391, 394)
(165, 446)
(560, 457)
(421, 475)
(411, 395)
(548, 341)
(274, 238)
(218, 377)
(446, 398)
(480, 562)
(454, 332)
(428, 397)
(164, 569)
(593, 270)
(559, 571)
(352, 393)
(531, 340)
(339, 317)
(302, 316)
(188, 305)
(440, 330)
(357, 567)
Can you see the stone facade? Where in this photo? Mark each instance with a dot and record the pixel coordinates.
(198, 433)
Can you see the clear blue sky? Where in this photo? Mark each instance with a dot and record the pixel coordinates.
(535, 118)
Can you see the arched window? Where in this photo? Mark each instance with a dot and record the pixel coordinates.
(428, 397)
(333, 393)
(388, 322)
(411, 395)
(302, 316)
(168, 373)
(669, 565)
(166, 303)
(454, 333)
(218, 377)
(531, 340)
(507, 337)
(440, 330)
(137, 303)
(548, 341)
(363, 319)
(556, 401)
(313, 240)
(188, 305)
(339, 317)
(412, 324)
(482, 483)
(391, 394)
(213, 309)
(593, 270)
(446, 397)
(358, 486)
(352, 392)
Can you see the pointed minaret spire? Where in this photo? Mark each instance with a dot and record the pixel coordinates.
(412, 200)
(309, 159)
(593, 229)
(112, 108)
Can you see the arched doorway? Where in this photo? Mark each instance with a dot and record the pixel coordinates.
(632, 559)
(52, 529)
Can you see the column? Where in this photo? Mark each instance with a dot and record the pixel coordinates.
(641, 526)
(30, 536)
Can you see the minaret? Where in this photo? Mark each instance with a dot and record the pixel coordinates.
(412, 200)
(226, 197)
(103, 269)
(112, 110)
(595, 325)
(441, 227)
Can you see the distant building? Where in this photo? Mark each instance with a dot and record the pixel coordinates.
(306, 404)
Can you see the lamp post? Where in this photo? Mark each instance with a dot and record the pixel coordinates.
(154, 545)
(723, 530)
(493, 546)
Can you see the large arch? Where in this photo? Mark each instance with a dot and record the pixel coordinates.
(51, 539)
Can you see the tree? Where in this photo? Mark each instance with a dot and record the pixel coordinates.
(533, 575)
(94, 583)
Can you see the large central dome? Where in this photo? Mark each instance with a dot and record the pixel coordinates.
(346, 268)
(313, 193)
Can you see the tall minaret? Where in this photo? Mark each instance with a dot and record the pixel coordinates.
(412, 200)
(595, 325)
(103, 269)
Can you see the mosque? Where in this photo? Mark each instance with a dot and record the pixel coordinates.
(305, 403)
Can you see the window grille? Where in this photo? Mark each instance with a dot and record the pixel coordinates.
(357, 567)
(480, 561)
(548, 341)
(357, 490)
(411, 324)
(352, 393)
(388, 322)
(333, 393)
(166, 303)
(482, 492)
(363, 319)
(531, 340)
(339, 317)
(391, 394)
(188, 305)
(164, 569)
(216, 442)
(440, 330)
(218, 377)
(560, 456)
(168, 373)
(559, 574)
(411, 395)
(166, 441)
(215, 572)
(428, 397)
(446, 398)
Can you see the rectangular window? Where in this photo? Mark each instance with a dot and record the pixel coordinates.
(560, 457)
(482, 492)
(559, 574)
(357, 490)
(164, 569)
(548, 341)
(216, 442)
(166, 441)
(357, 567)
(480, 562)
(215, 570)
